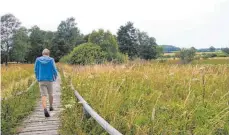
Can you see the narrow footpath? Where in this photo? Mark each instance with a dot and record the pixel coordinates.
(36, 123)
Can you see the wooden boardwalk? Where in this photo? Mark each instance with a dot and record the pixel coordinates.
(36, 123)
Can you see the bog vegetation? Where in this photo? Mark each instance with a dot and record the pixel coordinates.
(148, 98)
(18, 96)
(16, 78)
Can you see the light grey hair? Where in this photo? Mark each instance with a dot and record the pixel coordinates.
(45, 52)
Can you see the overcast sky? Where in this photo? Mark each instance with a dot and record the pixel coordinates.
(183, 23)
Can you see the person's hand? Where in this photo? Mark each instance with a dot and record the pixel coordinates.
(54, 78)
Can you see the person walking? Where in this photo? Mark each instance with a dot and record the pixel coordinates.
(46, 74)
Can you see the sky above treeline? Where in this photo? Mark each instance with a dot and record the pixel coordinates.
(183, 23)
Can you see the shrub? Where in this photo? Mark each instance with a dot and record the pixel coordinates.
(208, 55)
(222, 55)
(187, 55)
(226, 50)
(121, 58)
(205, 56)
(65, 59)
(87, 53)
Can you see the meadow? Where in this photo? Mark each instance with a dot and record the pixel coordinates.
(19, 94)
(148, 98)
(16, 78)
(139, 97)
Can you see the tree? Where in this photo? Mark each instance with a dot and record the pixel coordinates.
(68, 32)
(66, 38)
(159, 51)
(193, 48)
(48, 37)
(9, 25)
(21, 46)
(147, 46)
(37, 42)
(128, 40)
(226, 50)
(187, 55)
(212, 49)
(86, 37)
(106, 41)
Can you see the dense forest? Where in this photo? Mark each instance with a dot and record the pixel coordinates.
(21, 44)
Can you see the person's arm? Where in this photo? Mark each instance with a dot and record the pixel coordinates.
(36, 70)
(54, 69)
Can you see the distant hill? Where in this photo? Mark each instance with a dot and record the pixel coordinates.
(207, 49)
(172, 48)
(169, 48)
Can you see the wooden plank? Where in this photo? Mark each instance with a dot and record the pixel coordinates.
(42, 123)
(49, 132)
(40, 128)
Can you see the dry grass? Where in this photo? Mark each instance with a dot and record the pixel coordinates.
(15, 78)
(146, 98)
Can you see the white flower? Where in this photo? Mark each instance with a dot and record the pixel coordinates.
(68, 106)
(195, 79)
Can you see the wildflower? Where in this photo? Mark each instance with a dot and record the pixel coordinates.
(68, 106)
(195, 79)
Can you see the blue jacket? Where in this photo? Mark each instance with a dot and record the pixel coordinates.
(45, 69)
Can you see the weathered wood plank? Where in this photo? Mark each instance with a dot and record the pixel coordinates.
(49, 132)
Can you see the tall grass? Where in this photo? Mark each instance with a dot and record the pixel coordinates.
(152, 98)
(16, 79)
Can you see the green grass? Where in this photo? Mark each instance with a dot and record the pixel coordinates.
(14, 109)
(150, 98)
(211, 61)
(214, 61)
(72, 118)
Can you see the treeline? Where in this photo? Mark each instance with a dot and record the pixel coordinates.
(172, 49)
(19, 44)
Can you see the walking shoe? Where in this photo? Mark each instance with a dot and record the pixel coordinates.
(46, 113)
(51, 108)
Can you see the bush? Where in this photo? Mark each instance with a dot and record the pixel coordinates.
(121, 58)
(187, 55)
(205, 56)
(222, 55)
(87, 53)
(226, 50)
(208, 55)
(65, 59)
(212, 55)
